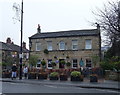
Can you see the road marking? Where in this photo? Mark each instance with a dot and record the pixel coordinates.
(108, 91)
(19, 84)
(51, 86)
(64, 87)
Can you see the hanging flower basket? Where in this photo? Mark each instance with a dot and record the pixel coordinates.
(46, 51)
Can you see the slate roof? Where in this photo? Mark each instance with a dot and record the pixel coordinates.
(3, 46)
(11, 47)
(71, 33)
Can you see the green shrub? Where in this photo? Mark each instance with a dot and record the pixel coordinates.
(0, 64)
(3, 64)
(43, 62)
(54, 74)
(62, 62)
(75, 73)
(117, 65)
(107, 65)
(46, 51)
(68, 64)
(33, 60)
(53, 63)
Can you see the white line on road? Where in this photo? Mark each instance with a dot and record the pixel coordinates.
(51, 86)
(19, 84)
(110, 91)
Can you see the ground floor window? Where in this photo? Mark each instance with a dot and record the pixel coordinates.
(38, 64)
(74, 63)
(88, 63)
(49, 64)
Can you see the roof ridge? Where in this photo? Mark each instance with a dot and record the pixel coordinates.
(67, 31)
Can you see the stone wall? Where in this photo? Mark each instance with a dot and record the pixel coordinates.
(62, 54)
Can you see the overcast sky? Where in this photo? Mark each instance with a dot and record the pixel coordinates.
(52, 15)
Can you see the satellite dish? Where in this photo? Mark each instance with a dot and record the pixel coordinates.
(16, 9)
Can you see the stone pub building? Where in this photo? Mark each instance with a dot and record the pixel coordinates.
(74, 46)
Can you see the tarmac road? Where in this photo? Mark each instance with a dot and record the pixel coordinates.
(9, 87)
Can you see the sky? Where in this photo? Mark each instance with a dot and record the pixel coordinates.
(52, 15)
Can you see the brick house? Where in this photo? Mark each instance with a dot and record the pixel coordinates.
(74, 46)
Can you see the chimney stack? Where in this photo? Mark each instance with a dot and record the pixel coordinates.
(24, 45)
(98, 26)
(8, 40)
(38, 29)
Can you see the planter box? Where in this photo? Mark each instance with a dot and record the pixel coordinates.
(63, 77)
(42, 76)
(6, 75)
(32, 76)
(93, 79)
(80, 78)
(53, 78)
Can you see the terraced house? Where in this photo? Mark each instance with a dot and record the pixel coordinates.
(74, 46)
(9, 52)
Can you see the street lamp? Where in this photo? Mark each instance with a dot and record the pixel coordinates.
(20, 76)
(17, 9)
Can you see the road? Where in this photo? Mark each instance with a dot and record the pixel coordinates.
(9, 87)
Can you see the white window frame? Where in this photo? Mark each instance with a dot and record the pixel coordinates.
(74, 63)
(49, 63)
(74, 43)
(88, 44)
(89, 62)
(39, 62)
(60, 45)
(49, 45)
(38, 44)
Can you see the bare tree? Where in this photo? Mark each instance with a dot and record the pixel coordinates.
(109, 20)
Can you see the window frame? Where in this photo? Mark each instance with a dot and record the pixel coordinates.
(49, 60)
(49, 44)
(74, 63)
(74, 44)
(37, 46)
(38, 63)
(88, 45)
(89, 63)
(60, 44)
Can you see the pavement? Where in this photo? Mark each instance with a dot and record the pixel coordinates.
(101, 84)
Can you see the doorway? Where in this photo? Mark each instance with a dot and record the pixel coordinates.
(60, 64)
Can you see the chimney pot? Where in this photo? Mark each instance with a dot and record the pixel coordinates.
(8, 40)
(38, 29)
(24, 45)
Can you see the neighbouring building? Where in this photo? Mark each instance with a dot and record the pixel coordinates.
(10, 52)
(74, 46)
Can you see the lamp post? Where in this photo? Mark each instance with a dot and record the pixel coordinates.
(20, 76)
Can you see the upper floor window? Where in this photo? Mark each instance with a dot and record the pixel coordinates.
(38, 46)
(62, 45)
(74, 44)
(88, 44)
(49, 45)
